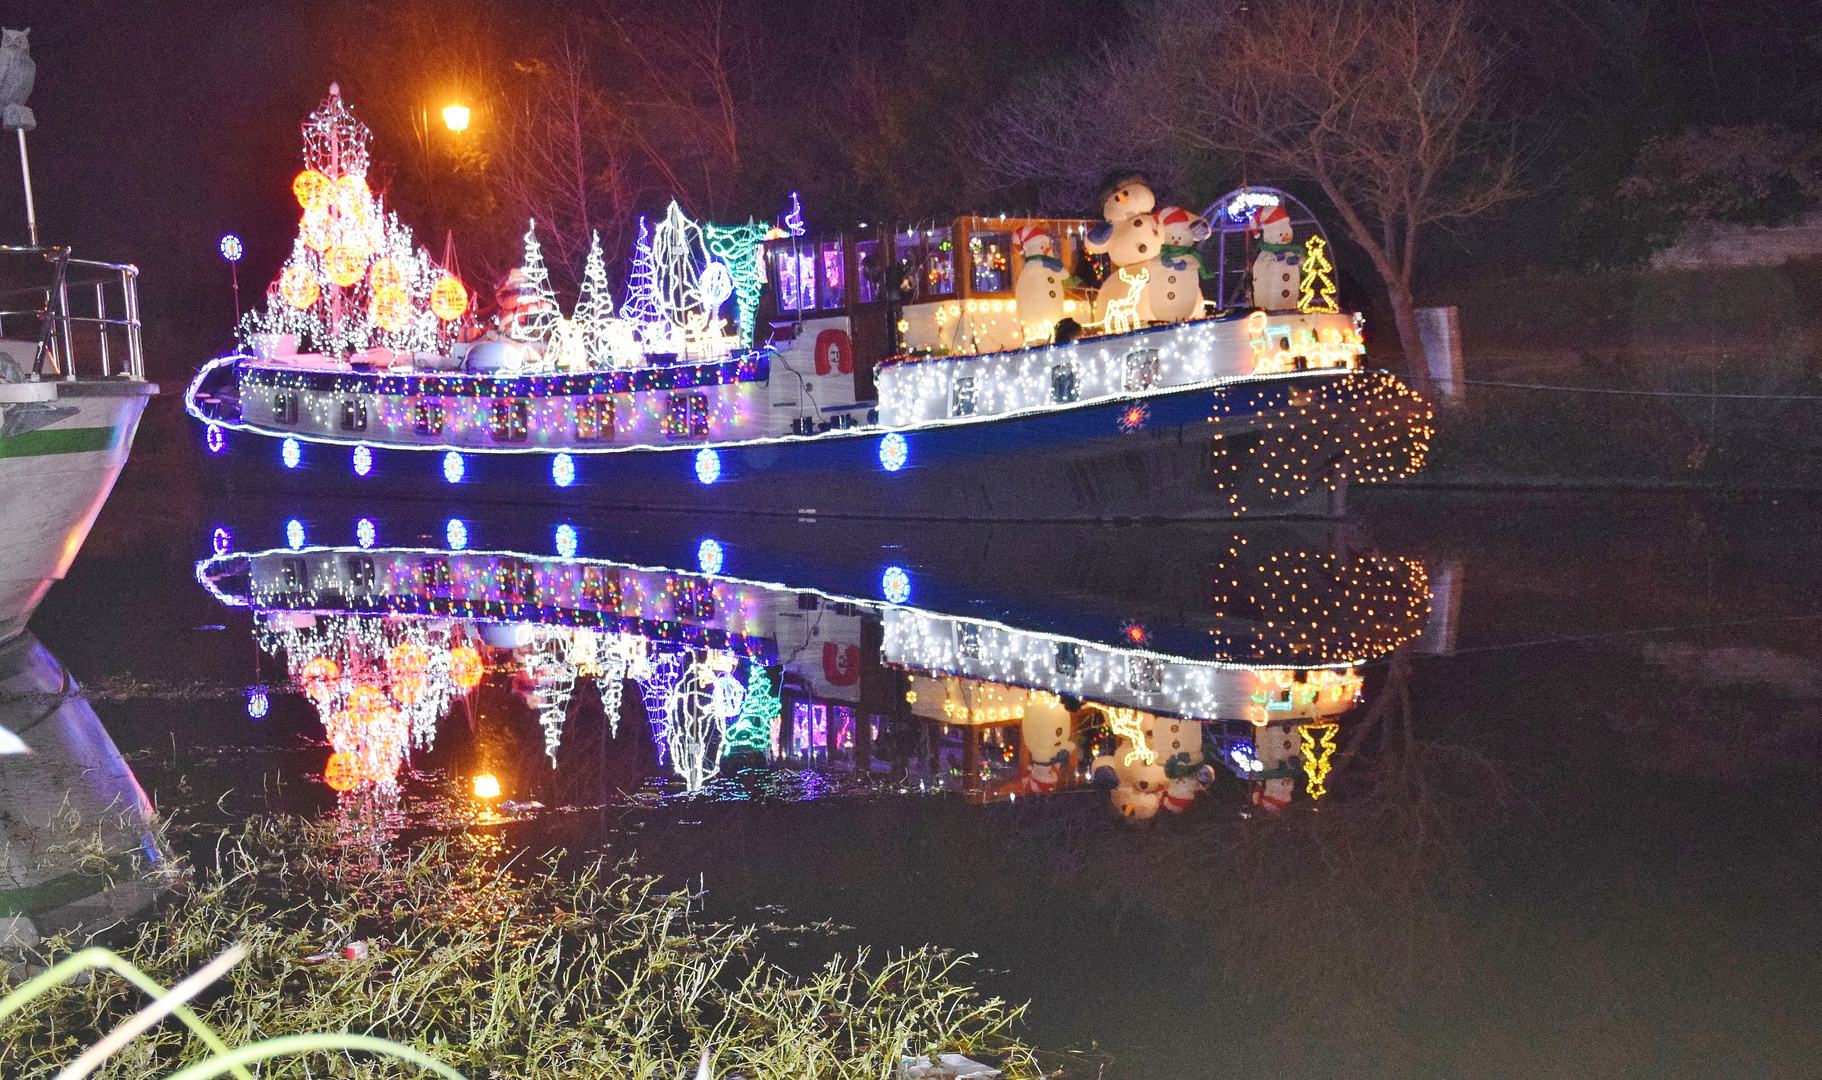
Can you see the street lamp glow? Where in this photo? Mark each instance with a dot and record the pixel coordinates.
(456, 117)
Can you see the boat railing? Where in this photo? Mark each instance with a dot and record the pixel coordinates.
(36, 289)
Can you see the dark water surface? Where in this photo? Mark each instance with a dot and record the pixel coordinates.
(1580, 837)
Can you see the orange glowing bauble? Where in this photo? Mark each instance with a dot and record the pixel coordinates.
(368, 704)
(317, 675)
(310, 187)
(448, 298)
(408, 663)
(298, 286)
(351, 195)
(386, 274)
(343, 772)
(343, 265)
(318, 228)
(465, 667)
(390, 309)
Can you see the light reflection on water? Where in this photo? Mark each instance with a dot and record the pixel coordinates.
(1580, 825)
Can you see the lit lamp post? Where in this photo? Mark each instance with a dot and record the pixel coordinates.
(455, 117)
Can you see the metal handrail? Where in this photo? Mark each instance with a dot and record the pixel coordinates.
(56, 321)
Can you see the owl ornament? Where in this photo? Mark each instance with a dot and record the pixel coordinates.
(17, 73)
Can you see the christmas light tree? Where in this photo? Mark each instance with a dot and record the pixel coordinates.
(1318, 282)
(356, 279)
(738, 248)
(611, 342)
(642, 307)
(532, 313)
(751, 731)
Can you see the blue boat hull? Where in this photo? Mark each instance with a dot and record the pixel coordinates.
(1268, 447)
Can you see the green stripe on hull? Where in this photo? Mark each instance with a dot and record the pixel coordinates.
(81, 440)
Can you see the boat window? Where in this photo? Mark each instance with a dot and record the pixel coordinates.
(284, 407)
(601, 588)
(939, 263)
(1068, 659)
(1063, 383)
(963, 405)
(354, 414)
(427, 416)
(686, 416)
(841, 728)
(796, 278)
(360, 574)
(991, 255)
(968, 641)
(1141, 369)
(834, 276)
(911, 252)
(595, 417)
(872, 270)
(510, 420)
(1144, 675)
(786, 266)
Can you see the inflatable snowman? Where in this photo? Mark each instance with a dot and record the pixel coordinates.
(1047, 740)
(1177, 745)
(1279, 748)
(1131, 240)
(1038, 292)
(1278, 271)
(1175, 291)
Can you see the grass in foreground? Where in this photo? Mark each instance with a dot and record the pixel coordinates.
(525, 972)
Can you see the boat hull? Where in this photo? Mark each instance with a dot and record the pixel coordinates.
(1262, 447)
(54, 478)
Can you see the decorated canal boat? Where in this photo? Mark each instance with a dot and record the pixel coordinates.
(961, 369)
(733, 669)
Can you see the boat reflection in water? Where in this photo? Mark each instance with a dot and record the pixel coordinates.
(727, 673)
(79, 833)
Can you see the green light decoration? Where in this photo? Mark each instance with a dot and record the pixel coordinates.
(751, 731)
(738, 248)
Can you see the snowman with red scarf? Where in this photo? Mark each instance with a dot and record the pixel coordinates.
(1278, 271)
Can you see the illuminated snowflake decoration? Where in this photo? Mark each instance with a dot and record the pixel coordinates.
(363, 461)
(894, 451)
(895, 585)
(258, 704)
(566, 541)
(290, 452)
(364, 532)
(453, 467)
(231, 248)
(456, 533)
(709, 556)
(563, 470)
(1133, 417)
(708, 466)
(294, 534)
(1135, 633)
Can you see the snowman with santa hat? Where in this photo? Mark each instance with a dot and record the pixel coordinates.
(1278, 271)
(1038, 294)
(1175, 291)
